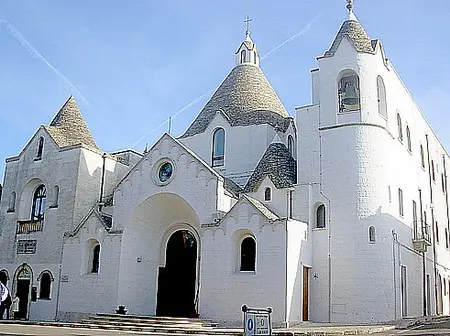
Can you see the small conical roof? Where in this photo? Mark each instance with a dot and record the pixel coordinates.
(68, 127)
(355, 34)
(245, 97)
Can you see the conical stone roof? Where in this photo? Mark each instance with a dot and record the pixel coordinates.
(245, 98)
(68, 127)
(356, 35)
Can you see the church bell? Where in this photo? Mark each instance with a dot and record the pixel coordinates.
(350, 95)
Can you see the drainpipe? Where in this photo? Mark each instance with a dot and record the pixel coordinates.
(394, 240)
(329, 225)
(102, 183)
(432, 227)
(424, 277)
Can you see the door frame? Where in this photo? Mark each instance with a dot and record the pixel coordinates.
(19, 270)
(162, 263)
(305, 303)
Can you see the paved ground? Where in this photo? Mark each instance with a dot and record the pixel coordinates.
(436, 327)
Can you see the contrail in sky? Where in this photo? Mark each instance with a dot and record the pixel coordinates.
(172, 116)
(303, 31)
(27, 45)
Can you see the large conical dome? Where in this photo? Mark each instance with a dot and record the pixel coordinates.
(245, 97)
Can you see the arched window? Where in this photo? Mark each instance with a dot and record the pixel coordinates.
(422, 157)
(12, 201)
(291, 145)
(95, 258)
(37, 212)
(254, 57)
(248, 254)
(445, 287)
(45, 280)
(243, 56)
(372, 238)
(381, 93)
(408, 138)
(348, 93)
(218, 154)
(399, 127)
(55, 196)
(267, 194)
(320, 217)
(40, 147)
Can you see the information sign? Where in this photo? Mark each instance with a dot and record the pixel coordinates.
(257, 321)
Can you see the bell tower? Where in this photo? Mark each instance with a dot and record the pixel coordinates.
(247, 52)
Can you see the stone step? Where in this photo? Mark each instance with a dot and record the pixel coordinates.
(146, 324)
(166, 330)
(151, 320)
(151, 317)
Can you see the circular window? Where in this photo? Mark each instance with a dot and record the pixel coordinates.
(165, 172)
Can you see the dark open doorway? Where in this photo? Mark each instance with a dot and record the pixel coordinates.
(176, 281)
(23, 290)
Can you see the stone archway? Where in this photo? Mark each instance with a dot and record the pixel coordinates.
(155, 227)
(23, 280)
(177, 279)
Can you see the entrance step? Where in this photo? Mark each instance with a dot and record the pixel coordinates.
(157, 325)
(152, 319)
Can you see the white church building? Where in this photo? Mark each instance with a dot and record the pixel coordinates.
(339, 214)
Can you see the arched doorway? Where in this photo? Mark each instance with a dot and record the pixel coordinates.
(23, 279)
(176, 280)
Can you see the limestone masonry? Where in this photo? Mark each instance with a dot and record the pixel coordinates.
(340, 214)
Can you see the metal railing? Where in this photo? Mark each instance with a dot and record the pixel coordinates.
(28, 226)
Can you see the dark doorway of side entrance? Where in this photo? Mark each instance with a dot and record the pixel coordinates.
(176, 281)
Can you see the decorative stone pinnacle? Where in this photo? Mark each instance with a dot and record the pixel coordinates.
(350, 5)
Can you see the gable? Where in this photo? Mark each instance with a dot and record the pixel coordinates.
(173, 150)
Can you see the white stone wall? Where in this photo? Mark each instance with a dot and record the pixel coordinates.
(84, 292)
(355, 166)
(248, 142)
(149, 212)
(298, 256)
(224, 288)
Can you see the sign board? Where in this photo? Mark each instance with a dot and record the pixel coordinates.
(257, 321)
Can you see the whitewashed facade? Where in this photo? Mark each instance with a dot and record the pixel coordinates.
(337, 215)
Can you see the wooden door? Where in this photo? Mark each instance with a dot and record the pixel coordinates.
(305, 292)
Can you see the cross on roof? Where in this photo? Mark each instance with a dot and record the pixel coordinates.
(247, 22)
(350, 5)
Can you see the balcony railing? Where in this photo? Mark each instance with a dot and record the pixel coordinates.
(421, 236)
(29, 226)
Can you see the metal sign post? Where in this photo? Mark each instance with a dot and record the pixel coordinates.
(257, 321)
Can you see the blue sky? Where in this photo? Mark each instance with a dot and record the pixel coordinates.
(130, 65)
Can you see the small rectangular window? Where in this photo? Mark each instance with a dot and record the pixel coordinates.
(436, 225)
(400, 202)
(446, 237)
(415, 224)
